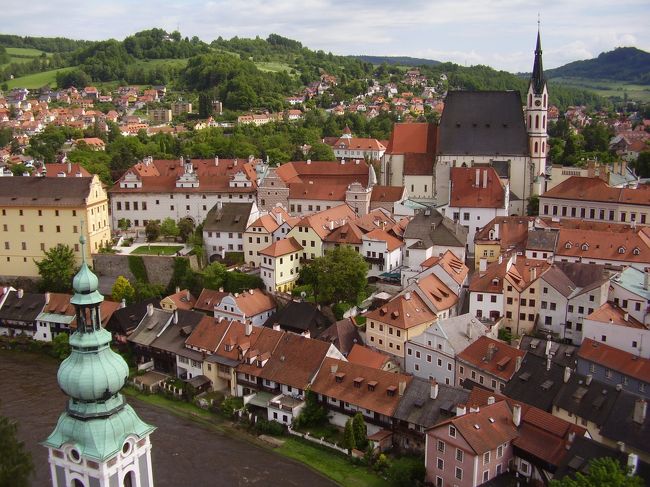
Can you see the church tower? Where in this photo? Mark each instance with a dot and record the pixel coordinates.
(536, 119)
(99, 440)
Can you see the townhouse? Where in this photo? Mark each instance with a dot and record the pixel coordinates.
(349, 147)
(224, 227)
(593, 199)
(489, 363)
(477, 196)
(38, 213)
(252, 305)
(280, 266)
(157, 189)
(382, 251)
(486, 289)
(19, 312)
(501, 235)
(522, 292)
(432, 354)
(630, 289)
(448, 268)
(264, 231)
(614, 326)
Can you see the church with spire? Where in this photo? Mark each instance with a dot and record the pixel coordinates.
(99, 440)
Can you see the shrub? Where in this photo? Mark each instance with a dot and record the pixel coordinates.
(340, 308)
(230, 404)
(137, 268)
(265, 427)
(407, 472)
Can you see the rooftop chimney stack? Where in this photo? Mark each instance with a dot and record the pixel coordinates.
(567, 374)
(518, 363)
(47, 298)
(646, 279)
(460, 410)
(469, 330)
(548, 363)
(548, 346)
(491, 350)
(176, 317)
(402, 387)
(482, 264)
(516, 415)
(588, 379)
(150, 309)
(123, 303)
(477, 183)
(248, 328)
(490, 400)
(640, 411)
(485, 178)
(20, 293)
(434, 389)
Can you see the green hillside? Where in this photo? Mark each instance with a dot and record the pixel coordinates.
(37, 80)
(627, 64)
(398, 60)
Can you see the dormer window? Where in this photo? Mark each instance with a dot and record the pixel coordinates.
(621, 250)
(371, 385)
(636, 251)
(585, 246)
(390, 390)
(568, 245)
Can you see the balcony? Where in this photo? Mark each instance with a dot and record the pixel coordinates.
(379, 260)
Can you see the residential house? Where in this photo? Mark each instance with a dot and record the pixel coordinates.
(253, 305)
(610, 365)
(486, 288)
(541, 244)
(432, 354)
(614, 326)
(489, 363)
(349, 147)
(300, 317)
(19, 313)
(280, 267)
(370, 358)
(40, 213)
(501, 235)
(382, 251)
(630, 289)
(477, 197)
(343, 334)
(179, 300)
(224, 226)
(345, 389)
(261, 233)
(570, 292)
(208, 299)
(181, 107)
(448, 268)
(124, 320)
(522, 294)
(424, 404)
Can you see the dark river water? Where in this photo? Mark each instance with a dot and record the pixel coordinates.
(184, 453)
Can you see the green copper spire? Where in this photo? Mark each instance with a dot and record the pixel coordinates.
(97, 420)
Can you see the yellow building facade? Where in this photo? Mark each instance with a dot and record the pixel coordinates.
(280, 265)
(39, 213)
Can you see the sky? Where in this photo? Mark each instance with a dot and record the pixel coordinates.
(498, 33)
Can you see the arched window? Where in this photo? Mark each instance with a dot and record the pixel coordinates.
(536, 148)
(536, 121)
(530, 100)
(544, 101)
(77, 483)
(543, 147)
(129, 480)
(530, 121)
(544, 122)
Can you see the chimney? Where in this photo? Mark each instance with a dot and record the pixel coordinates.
(178, 289)
(516, 415)
(216, 161)
(251, 292)
(334, 368)
(485, 177)
(434, 389)
(632, 463)
(47, 298)
(490, 400)
(477, 182)
(533, 273)
(407, 296)
(518, 364)
(20, 293)
(548, 346)
(588, 379)
(500, 258)
(482, 264)
(460, 410)
(474, 408)
(308, 161)
(402, 387)
(640, 411)
(276, 326)
(567, 374)
(182, 161)
(188, 295)
(621, 446)
(150, 309)
(248, 328)
(468, 332)
(176, 317)
(220, 289)
(491, 351)
(548, 363)
(69, 167)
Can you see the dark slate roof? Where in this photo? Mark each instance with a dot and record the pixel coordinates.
(432, 228)
(592, 402)
(173, 338)
(299, 317)
(32, 191)
(620, 424)
(483, 123)
(537, 79)
(535, 385)
(343, 335)
(125, 320)
(584, 449)
(541, 240)
(417, 407)
(230, 217)
(563, 354)
(24, 309)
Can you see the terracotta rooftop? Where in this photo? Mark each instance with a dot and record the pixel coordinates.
(418, 138)
(254, 302)
(492, 356)
(595, 189)
(604, 244)
(208, 334)
(265, 221)
(334, 217)
(208, 298)
(349, 234)
(509, 231)
(437, 292)
(380, 235)
(304, 171)
(613, 315)
(365, 387)
(282, 247)
(182, 299)
(365, 356)
(476, 187)
(615, 359)
(456, 268)
(387, 194)
(404, 311)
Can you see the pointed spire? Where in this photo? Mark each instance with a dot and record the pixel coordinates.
(537, 79)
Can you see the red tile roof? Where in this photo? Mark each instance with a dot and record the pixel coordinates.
(254, 302)
(502, 363)
(320, 222)
(365, 356)
(595, 189)
(418, 138)
(615, 359)
(380, 235)
(282, 247)
(613, 315)
(208, 298)
(466, 193)
(402, 312)
(388, 194)
(419, 164)
(208, 334)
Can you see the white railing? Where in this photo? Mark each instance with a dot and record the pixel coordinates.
(318, 441)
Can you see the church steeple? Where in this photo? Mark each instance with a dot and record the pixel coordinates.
(99, 439)
(537, 80)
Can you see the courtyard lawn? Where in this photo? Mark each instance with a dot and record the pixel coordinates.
(330, 463)
(157, 250)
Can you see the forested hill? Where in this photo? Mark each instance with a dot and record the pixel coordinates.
(398, 60)
(622, 64)
(47, 44)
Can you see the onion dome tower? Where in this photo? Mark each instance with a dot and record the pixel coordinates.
(99, 440)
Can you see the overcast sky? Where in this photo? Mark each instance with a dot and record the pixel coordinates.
(499, 33)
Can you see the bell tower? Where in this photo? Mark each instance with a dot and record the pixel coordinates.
(99, 440)
(536, 119)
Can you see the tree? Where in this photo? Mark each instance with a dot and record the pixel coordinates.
(185, 228)
(16, 464)
(360, 431)
(152, 230)
(533, 206)
(168, 227)
(348, 435)
(145, 290)
(642, 165)
(602, 471)
(57, 269)
(124, 224)
(321, 152)
(61, 346)
(406, 472)
(122, 289)
(214, 276)
(313, 414)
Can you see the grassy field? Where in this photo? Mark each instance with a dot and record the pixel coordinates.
(273, 66)
(330, 464)
(151, 63)
(22, 55)
(608, 88)
(36, 80)
(157, 250)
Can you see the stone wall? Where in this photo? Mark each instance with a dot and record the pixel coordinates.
(159, 268)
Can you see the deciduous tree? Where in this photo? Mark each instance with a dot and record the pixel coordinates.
(16, 464)
(602, 471)
(122, 289)
(152, 230)
(57, 269)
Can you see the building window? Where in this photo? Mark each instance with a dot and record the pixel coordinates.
(440, 463)
(441, 446)
(452, 431)
(459, 454)
(459, 473)
(486, 458)
(499, 451)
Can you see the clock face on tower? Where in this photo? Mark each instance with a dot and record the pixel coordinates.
(537, 103)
